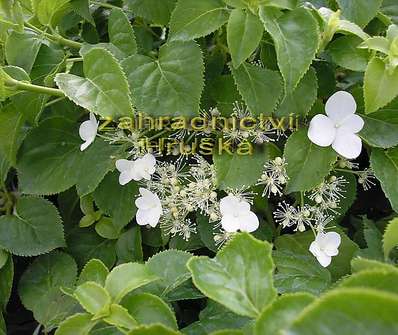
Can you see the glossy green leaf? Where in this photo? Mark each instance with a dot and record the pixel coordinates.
(299, 102)
(40, 288)
(170, 85)
(385, 166)
(127, 277)
(379, 86)
(235, 171)
(93, 297)
(359, 264)
(239, 277)
(153, 330)
(365, 311)
(390, 237)
(120, 317)
(6, 283)
(282, 313)
(345, 53)
(148, 309)
(244, 33)
(359, 11)
(296, 273)
(49, 12)
(104, 91)
(153, 10)
(380, 129)
(21, 49)
(296, 39)
(82, 8)
(192, 19)
(300, 154)
(34, 229)
(129, 246)
(48, 61)
(260, 88)
(78, 324)
(49, 158)
(121, 34)
(116, 200)
(94, 271)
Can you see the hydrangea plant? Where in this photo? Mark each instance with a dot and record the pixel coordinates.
(198, 167)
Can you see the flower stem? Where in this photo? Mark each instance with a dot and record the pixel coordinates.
(348, 171)
(20, 85)
(56, 38)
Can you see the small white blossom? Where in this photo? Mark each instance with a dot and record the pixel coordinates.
(339, 127)
(325, 247)
(236, 215)
(88, 131)
(141, 168)
(149, 208)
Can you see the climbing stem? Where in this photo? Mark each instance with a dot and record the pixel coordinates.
(23, 86)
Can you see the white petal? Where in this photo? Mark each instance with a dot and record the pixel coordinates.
(340, 105)
(314, 248)
(149, 159)
(230, 223)
(353, 124)
(228, 204)
(147, 217)
(125, 177)
(124, 165)
(88, 130)
(322, 130)
(331, 242)
(347, 145)
(249, 222)
(243, 206)
(85, 145)
(324, 259)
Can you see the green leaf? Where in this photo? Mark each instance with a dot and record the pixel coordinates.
(104, 91)
(116, 200)
(300, 101)
(48, 60)
(93, 297)
(239, 277)
(49, 157)
(98, 159)
(281, 314)
(148, 309)
(169, 281)
(385, 166)
(390, 8)
(213, 318)
(78, 324)
(362, 264)
(373, 238)
(107, 228)
(85, 244)
(378, 279)
(94, 271)
(379, 86)
(300, 154)
(129, 246)
(296, 38)
(82, 8)
(115, 51)
(380, 129)
(170, 85)
(390, 237)
(121, 33)
(3, 328)
(235, 171)
(365, 312)
(295, 272)
(6, 282)
(34, 229)
(21, 49)
(12, 131)
(260, 88)
(152, 10)
(119, 317)
(153, 330)
(3, 257)
(359, 11)
(192, 19)
(244, 33)
(345, 53)
(126, 278)
(49, 12)
(40, 288)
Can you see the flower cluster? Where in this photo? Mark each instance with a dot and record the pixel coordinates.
(274, 177)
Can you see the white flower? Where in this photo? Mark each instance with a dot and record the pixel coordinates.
(325, 246)
(141, 168)
(236, 215)
(149, 208)
(88, 131)
(339, 126)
